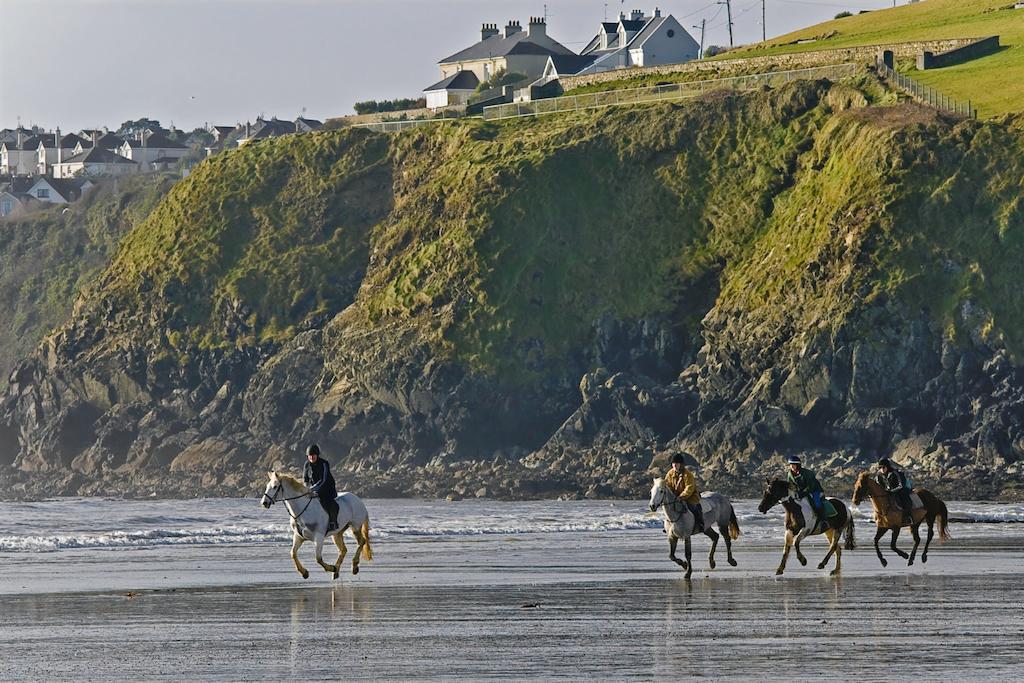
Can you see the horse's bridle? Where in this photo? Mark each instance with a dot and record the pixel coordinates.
(677, 502)
(275, 499)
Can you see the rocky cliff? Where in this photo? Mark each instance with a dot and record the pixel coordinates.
(550, 307)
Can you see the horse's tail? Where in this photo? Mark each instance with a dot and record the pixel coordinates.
(365, 531)
(848, 531)
(934, 504)
(734, 526)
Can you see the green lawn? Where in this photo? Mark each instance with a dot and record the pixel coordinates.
(992, 83)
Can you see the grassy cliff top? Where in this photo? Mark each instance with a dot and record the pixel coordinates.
(991, 82)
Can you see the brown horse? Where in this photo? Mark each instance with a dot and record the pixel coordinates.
(889, 516)
(797, 511)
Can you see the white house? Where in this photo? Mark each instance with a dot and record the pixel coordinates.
(59, 191)
(95, 162)
(149, 148)
(638, 40)
(54, 149)
(512, 50)
(9, 203)
(455, 89)
(19, 157)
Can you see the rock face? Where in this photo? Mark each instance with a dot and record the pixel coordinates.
(553, 308)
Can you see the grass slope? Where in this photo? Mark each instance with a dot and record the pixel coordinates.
(992, 83)
(46, 258)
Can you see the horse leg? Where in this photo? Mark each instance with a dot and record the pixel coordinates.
(833, 536)
(689, 560)
(917, 541)
(928, 540)
(673, 540)
(339, 540)
(892, 544)
(832, 547)
(728, 543)
(361, 541)
(796, 545)
(320, 556)
(878, 535)
(785, 553)
(710, 533)
(297, 541)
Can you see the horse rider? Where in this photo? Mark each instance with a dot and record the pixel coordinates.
(893, 480)
(316, 475)
(805, 485)
(682, 483)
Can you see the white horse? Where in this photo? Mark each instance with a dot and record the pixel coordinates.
(309, 521)
(679, 522)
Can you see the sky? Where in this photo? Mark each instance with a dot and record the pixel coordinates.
(92, 63)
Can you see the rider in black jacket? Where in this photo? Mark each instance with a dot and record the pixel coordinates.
(317, 476)
(895, 482)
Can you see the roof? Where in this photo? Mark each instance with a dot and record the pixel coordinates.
(567, 65)
(68, 188)
(499, 46)
(272, 128)
(460, 80)
(652, 27)
(155, 141)
(633, 24)
(98, 155)
(312, 123)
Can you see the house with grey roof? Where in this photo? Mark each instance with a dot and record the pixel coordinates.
(53, 149)
(96, 161)
(639, 40)
(19, 157)
(147, 149)
(304, 125)
(59, 190)
(108, 141)
(512, 50)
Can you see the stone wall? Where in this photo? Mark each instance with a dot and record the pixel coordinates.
(721, 68)
(929, 60)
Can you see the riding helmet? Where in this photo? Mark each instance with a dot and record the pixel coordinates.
(313, 449)
(884, 462)
(793, 460)
(679, 458)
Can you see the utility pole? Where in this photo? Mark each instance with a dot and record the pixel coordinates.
(702, 23)
(728, 13)
(764, 28)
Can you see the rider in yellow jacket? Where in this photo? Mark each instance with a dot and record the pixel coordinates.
(682, 482)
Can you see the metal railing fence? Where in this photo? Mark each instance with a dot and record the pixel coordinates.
(926, 94)
(660, 93)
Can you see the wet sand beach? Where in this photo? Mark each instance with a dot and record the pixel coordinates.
(597, 605)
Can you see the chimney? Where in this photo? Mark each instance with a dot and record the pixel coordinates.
(657, 12)
(60, 156)
(636, 15)
(488, 30)
(538, 28)
(512, 28)
(21, 138)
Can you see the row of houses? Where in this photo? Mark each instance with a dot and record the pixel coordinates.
(39, 168)
(635, 39)
(102, 153)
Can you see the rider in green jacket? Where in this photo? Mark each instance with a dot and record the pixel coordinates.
(805, 484)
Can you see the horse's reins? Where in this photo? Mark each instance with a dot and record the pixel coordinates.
(275, 499)
(677, 502)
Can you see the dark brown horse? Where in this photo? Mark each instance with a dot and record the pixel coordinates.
(776, 492)
(889, 516)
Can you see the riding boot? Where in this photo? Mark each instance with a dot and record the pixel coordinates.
(698, 522)
(332, 524)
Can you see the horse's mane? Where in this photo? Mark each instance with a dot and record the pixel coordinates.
(291, 479)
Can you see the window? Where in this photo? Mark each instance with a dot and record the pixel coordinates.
(671, 33)
(6, 207)
(42, 193)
